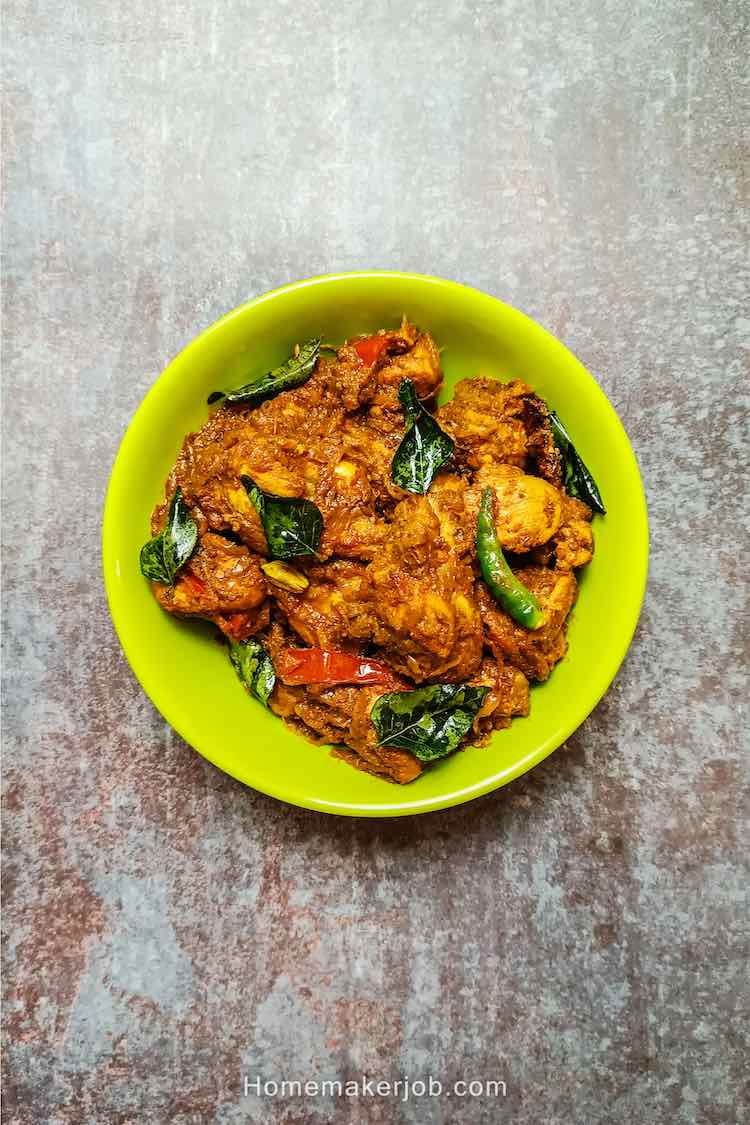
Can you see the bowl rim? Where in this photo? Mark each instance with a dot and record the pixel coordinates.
(280, 792)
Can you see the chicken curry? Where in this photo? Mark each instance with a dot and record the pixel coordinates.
(389, 576)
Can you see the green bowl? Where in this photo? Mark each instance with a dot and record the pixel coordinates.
(187, 674)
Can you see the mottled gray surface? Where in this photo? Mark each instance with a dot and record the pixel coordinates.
(579, 935)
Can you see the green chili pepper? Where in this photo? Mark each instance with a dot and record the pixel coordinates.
(512, 595)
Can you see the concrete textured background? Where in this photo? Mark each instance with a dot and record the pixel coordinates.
(578, 935)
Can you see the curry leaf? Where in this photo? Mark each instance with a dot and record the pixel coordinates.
(424, 447)
(293, 526)
(254, 667)
(296, 371)
(163, 555)
(577, 479)
(430, 722)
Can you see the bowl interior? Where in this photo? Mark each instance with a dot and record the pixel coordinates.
(186, 672)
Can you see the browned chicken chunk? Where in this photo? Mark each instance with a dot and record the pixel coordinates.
(447, 497)
(335, 611)
(422, 596)
(341, 715)
(574, 540)
(541, 445)
(485, 419)
(208, 472)
(392, 762)
(421, 364)
(528, 510)
(221, 578)
(353, 529)
(508, 696)
(534, 652)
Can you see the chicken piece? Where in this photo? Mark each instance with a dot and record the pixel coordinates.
(355, 382)
(208, 472)
(352, 529)
(485, 419)
(371, 442)
(341, 715)
(421, 364)
(306, 716)
(281, 445)
(353, 536)
(221, 577)
(508, 696)
(542, 447)
(387, 761)
(371, 439)
(447, 497)
(307, 413)
(534, 652)
(358, 373)
(335, 609)
(574, 540)
(528, 510)
(405, 353)
(325, 712)
(422, 597)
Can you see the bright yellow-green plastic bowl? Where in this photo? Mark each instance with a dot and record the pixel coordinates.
(187, 674)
